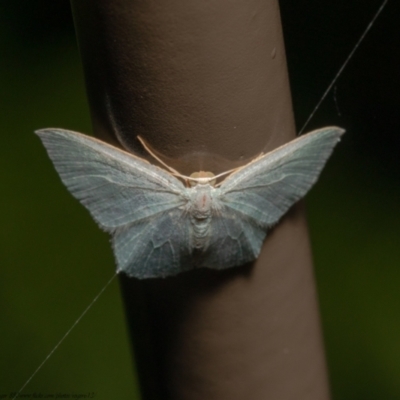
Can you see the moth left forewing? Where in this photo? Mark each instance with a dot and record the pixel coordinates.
(264, 189)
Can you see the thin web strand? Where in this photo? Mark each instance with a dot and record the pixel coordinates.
(65, 335)
(344, 65)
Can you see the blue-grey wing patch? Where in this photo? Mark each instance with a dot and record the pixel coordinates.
(116, 187)
(235, 240)
(154, 249)
(265, 189)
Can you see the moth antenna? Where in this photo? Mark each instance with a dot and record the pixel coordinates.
(172, 170)
(233, 170)
(226, 173)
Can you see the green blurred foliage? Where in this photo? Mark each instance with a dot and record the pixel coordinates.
(353, 211)
(54, 259)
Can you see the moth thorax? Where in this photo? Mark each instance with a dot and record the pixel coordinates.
(202, 177)
(201, 202)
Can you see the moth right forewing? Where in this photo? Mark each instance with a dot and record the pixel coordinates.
(127, 161)
(116, 187)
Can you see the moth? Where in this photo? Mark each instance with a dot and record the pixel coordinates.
(161, 225)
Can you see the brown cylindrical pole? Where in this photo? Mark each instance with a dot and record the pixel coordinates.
(205, 84)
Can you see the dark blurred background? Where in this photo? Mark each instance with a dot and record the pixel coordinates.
(54, 259)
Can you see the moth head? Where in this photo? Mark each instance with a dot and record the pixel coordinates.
(202, 177)
(196, 178)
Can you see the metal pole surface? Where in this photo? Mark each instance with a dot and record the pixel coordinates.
(205, 84)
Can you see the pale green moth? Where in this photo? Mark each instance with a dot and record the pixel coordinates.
(162, 227)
